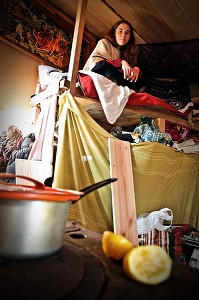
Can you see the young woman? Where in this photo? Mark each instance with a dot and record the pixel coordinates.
(115, 56)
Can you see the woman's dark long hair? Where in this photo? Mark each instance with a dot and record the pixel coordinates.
(128, 51)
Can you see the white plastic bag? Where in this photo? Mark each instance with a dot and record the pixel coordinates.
(148, 221)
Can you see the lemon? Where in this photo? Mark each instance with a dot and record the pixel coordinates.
(148, 264)
(115, 245)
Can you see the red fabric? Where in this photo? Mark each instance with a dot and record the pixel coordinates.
(144, 99)
(87, 86)
(178, 230)
(135, 99)
(116, 62)
(177, 132)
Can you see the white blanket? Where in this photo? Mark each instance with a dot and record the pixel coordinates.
(113, 97)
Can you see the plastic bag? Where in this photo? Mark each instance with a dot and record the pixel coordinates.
(154, 220)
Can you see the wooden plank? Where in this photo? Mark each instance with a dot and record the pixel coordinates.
(145, 19)
(154, 21)
(191, 10)
(98, 13)
(131, 114)
(174, 18)
(76, 45)
(161, 124)
(123, 196)
(35, 169)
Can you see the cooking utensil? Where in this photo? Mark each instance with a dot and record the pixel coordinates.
(33, 218)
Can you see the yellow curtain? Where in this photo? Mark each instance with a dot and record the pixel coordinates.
(82, 159)
(163, 177)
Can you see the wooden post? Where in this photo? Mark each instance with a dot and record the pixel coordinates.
(123, 196)
(76, 45)
(161, 124)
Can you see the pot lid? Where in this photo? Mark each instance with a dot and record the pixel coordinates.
(36, 191)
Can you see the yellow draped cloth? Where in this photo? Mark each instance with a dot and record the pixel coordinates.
(163, 176)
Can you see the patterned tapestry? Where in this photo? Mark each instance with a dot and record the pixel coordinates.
(167, 60)
(24, 26)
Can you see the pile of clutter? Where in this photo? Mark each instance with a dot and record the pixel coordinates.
(176, 136)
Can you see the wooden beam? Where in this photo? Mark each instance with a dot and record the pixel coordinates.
(131, 114)
(76, 45)
(123, 196)
(161, 124)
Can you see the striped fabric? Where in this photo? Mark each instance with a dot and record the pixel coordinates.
(155, 237)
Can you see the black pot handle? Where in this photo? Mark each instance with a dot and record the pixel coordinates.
(96, 186)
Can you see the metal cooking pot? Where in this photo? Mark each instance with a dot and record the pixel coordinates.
(33, 218)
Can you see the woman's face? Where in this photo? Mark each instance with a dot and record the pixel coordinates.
(122, 34)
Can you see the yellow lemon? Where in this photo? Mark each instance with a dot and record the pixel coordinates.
(115, 245)
(148, 264)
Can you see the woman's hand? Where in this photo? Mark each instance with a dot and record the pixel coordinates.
(130, 73)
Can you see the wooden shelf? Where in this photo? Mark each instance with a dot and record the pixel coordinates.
(131, 114)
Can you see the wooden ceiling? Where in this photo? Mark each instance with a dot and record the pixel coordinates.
(154, 21)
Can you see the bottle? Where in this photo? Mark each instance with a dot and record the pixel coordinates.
(181, 259)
